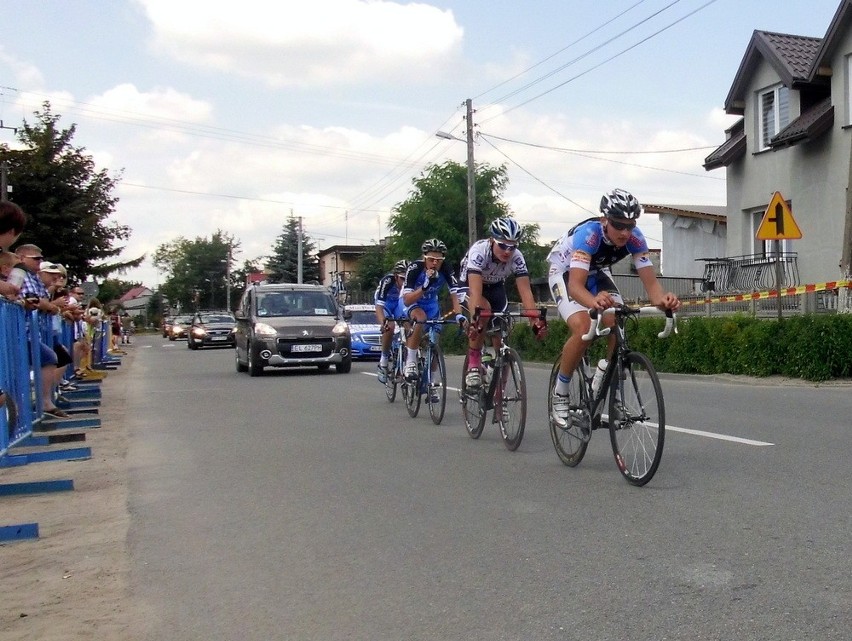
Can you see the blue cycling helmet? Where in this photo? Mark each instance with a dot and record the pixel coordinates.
(506, 229)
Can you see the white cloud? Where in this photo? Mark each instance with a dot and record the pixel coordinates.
(296, 43)
(125, 100)
(26, 75)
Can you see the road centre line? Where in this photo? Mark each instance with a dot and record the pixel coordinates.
(683, 430)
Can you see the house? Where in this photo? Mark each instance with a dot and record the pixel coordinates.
(338, 262)
(794, 96)
(135, 301)
(692, 234)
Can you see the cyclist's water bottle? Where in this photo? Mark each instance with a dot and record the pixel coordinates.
(487, 366)
(599, 374)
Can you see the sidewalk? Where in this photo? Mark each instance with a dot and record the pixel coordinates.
(71, 583)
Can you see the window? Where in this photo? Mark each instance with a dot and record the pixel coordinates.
(774, 113)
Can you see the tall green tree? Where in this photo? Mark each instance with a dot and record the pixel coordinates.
(437, 208)
(68, 201)
(283, 262)
(374, 264)
(196, 270)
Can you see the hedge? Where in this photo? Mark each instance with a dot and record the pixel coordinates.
(810, 347)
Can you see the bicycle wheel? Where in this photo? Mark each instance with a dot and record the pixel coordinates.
(413, 391)
(437, 387)
(393, 372)
(571, 440)
(510, 400)
(637, 419)
(473, 405)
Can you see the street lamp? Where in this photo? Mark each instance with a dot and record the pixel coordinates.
(471, 173)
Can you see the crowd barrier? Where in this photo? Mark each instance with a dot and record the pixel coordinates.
(814, 298)
(24, 428)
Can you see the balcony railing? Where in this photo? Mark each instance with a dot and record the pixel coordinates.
(754, 272)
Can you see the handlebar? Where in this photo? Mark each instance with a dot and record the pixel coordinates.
(597, 317)
(481, 312)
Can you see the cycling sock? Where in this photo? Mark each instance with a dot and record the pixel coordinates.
(562, 384)
(411, 356)
(474, 358)
(383, 360)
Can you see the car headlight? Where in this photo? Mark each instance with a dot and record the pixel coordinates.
(340, 328)
(198, 331)
(262, 329)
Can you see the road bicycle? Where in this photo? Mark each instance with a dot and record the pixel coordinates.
(504, 386)
(396, 362)
(636, 414)
(431, 381)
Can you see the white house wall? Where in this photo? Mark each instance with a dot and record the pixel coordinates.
(687, 239)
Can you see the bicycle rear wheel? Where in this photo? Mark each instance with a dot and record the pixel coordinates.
(473, 405)
(510, 400)
(437, 388)
(637, 418)
(571, 440)
(413, 391)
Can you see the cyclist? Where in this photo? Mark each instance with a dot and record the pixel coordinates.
(484, 270)
(423, 281)
(389, 305)
(580, 279)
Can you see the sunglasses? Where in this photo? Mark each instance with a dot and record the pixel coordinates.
(622, 226)
(509, 247)
(434, 258)
(35, 257)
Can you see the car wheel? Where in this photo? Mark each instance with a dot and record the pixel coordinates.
(239, 365)
(171, 338)
(344, 367)
(255, 364)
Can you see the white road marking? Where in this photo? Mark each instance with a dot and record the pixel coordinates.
(672, 428)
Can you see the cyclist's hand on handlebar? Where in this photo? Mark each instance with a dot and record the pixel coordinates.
(461, 319)
(603, 301)
(669, 301)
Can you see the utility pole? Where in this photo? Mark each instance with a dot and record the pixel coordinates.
(844, 294)
(299, 251)
(472, 231)
(4, 172)
(228, 279)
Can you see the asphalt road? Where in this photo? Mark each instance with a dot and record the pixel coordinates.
(305, 506)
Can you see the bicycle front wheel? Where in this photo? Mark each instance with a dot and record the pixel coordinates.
(510, 400)
(637, 418)
(572, 438)
(473, 405)
(413, 391)
(393, 373)
(437, 388)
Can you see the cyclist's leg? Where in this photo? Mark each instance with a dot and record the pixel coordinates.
(419, 314)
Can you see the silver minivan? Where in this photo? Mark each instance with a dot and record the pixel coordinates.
(289, 325)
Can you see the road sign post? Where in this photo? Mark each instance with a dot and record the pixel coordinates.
(778, 224)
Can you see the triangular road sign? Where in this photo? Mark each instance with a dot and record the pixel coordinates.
(778, 222)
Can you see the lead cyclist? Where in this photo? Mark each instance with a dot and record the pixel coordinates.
(580, 279)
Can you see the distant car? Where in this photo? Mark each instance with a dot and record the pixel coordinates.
(365, 330)
(289, 325)
(180, 327)
(211, 329)
(167, 326)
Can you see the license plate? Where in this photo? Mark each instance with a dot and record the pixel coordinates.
(218, 338)
(306, 348)
(376, 348)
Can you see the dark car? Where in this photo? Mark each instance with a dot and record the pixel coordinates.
(365, 330)
(290, 325)
(180, 327)
(211, 329)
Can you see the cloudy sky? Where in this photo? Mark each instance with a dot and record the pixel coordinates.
(233, 115)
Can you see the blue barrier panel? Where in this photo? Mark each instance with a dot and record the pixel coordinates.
(19, 532)
(16, 414)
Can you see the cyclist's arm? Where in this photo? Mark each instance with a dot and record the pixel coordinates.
(656, 294)
(474, 291)
(525, 292)
(411, 291)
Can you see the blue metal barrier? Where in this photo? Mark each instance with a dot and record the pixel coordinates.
(16, 415)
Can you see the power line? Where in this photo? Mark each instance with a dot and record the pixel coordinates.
(601, 151)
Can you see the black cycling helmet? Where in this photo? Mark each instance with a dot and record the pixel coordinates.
(400, 267)
(434, 245)
(620, 204)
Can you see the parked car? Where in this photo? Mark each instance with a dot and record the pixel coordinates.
(180, 327)
(211, 329)
(290, 325)
(365, 331)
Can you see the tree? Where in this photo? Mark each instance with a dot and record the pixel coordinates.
(196, 270)
(67, 201)
(372, 265)
(437, 208)
(112, 289)
(283, 262)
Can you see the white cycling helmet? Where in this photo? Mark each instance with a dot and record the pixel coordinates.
(506, 229)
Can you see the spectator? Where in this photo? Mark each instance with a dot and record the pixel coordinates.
(12, 275)
(35, 296)
(12, 221)
(127, 326)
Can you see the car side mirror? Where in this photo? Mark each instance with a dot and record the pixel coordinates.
(347, 314)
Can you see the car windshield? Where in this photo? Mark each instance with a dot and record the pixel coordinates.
(182, 320)
(216, 318)
(363, 317)
(295, 304)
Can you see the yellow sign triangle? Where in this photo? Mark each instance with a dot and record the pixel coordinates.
(778, 222)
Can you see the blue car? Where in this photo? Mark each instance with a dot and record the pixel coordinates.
(366, 332)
